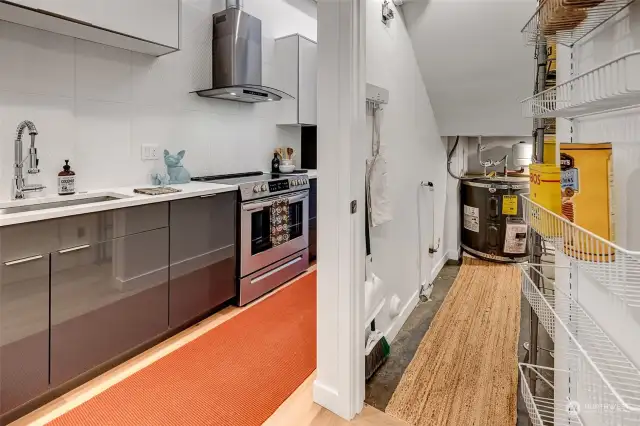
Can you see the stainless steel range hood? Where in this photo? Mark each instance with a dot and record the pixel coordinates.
(237, 58)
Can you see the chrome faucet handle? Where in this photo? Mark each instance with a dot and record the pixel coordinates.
(33, 171)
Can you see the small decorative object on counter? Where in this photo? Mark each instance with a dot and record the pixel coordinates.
(66, 180)
(275, 163)
(287, 166)
(286, 159)
(160, 179)
(156, 191)
(175, 169)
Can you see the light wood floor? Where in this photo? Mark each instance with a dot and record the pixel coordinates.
(298, 410)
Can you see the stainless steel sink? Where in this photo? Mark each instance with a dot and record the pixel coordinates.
(45, 205)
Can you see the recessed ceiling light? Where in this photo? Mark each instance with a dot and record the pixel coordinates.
(269, 99)
(232, 94)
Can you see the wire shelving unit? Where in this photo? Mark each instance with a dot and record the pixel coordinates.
(615, 268)
(592, 380)
(612, 86)
(547, 411)
(538, 29)
(606, 377)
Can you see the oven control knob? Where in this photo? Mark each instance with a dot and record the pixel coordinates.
(294, 182)
(257, 188)
(264, 187)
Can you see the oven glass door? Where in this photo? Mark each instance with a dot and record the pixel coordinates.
(261, 226)
(257, 252)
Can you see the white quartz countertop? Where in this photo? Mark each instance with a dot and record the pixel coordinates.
(129, 199)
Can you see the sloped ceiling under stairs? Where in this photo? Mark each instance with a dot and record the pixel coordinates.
(474, 63)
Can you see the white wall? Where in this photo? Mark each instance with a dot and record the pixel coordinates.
(96, 105)
(474, 63)
(415, 153)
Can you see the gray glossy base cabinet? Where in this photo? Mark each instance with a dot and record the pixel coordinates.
(202, 255)
(78, 291)
(24, 332)
(107, 298)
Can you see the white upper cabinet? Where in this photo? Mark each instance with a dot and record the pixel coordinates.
(153, 20)
(297, 71)
(146, 26)
(80, 10)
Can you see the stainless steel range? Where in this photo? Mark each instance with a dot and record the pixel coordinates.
(262, 265)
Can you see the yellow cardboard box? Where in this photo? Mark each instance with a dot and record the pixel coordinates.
(545, 186)
(545, 191)
(587, 191)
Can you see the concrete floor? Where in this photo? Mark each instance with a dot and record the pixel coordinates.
(384, 382)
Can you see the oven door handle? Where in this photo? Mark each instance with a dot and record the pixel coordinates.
(258, 206)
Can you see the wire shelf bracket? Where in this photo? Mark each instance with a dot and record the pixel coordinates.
(609, 87)
(535, 33)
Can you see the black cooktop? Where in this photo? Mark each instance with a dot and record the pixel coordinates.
(238, 178)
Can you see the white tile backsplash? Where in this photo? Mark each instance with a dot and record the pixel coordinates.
(102, 144)
(103, 72)
(34, 61)
(96, 105)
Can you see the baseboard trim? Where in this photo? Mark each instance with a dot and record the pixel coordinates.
(436, 269)
(453, 255)
(328, 397)
(399, 321)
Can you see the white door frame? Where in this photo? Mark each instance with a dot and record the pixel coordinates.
(339, 384)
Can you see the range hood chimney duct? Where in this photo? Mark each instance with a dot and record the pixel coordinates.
(234, 4)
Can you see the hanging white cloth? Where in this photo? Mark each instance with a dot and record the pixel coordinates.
(378, 203)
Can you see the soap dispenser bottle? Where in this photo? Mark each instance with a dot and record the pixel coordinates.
(66, 180)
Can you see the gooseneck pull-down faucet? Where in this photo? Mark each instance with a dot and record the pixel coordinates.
(20, 187)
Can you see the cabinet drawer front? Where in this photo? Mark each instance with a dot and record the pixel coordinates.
(201, 284)
(29, 239)
(202, 225)
(203, 256)
(106, 298)
(24, 331)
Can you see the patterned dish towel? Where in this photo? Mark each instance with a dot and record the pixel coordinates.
(279, 222)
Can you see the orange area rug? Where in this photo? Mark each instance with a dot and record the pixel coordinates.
(237, 374)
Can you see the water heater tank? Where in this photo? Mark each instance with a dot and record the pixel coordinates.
(522, 153)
